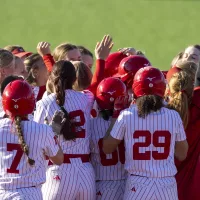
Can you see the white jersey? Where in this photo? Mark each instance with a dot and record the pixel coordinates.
(149, 142)
(78, 105)
(106, 166)
(15, 172)
(36, 90)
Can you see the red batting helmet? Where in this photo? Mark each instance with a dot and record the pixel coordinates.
(108, 90)
(129, 66)
(18, 99)
(149, 81)
(112, 63)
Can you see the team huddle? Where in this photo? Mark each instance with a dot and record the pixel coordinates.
(127, 131)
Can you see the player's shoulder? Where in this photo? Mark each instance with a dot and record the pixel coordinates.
(47, 100)
(130, 110)
(36, 127)
(173, 114)
(5, 122)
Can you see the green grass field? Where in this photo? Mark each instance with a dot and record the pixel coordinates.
(160, 28)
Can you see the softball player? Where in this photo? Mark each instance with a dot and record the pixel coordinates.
(109, 168)
(75, 179)
(152, 135)
(22, 161)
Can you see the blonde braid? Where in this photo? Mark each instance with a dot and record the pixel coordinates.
(22, 142)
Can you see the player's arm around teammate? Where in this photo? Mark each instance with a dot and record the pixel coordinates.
(75, 178)
(149, 144)
(24, 143)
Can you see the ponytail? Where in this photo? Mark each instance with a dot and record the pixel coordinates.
(22, 142)
(181, 88)
(62, 78)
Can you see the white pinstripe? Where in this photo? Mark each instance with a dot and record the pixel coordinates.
(27, 176)
(128, 122)
(98, 128)
(112, 190)
(33, 193)
(36, 91)
(145, 188)
(147, 155)
(111, 178)
(77, 180)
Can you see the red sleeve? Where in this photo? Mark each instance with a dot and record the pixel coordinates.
(98, 76)
(48, 61)
(188, 175)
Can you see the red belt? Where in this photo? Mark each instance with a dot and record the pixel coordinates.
(84, 157)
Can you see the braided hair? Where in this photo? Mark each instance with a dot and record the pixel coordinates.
(63, 77)
(22, 142)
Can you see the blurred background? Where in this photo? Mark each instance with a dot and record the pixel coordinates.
(159, 28)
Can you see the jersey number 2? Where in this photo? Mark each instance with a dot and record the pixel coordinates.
(149, 140)
(80, 132)
(120, 152)
(17, 158)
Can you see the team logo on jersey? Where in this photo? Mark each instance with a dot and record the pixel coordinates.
(57, 178)
(133, 189)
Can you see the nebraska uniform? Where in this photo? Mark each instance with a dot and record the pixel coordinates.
(109, 168)
(149, 142)
(17, 178)
(75, 178)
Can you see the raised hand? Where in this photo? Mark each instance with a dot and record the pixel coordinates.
(43, 48)
(120, 104)
(104, 47)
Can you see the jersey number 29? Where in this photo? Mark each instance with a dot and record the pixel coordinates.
(149, 140)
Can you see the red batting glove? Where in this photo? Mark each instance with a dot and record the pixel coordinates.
(120, 104)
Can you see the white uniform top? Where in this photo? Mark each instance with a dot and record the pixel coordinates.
(77, 104)
(36, 91)
(15, 172)
(106, 166)
(149, 142)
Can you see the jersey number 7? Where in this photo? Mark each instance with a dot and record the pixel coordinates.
(17, 158)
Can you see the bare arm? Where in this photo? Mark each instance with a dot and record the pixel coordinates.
(58, 158)
(110, 144)
(181, 149)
